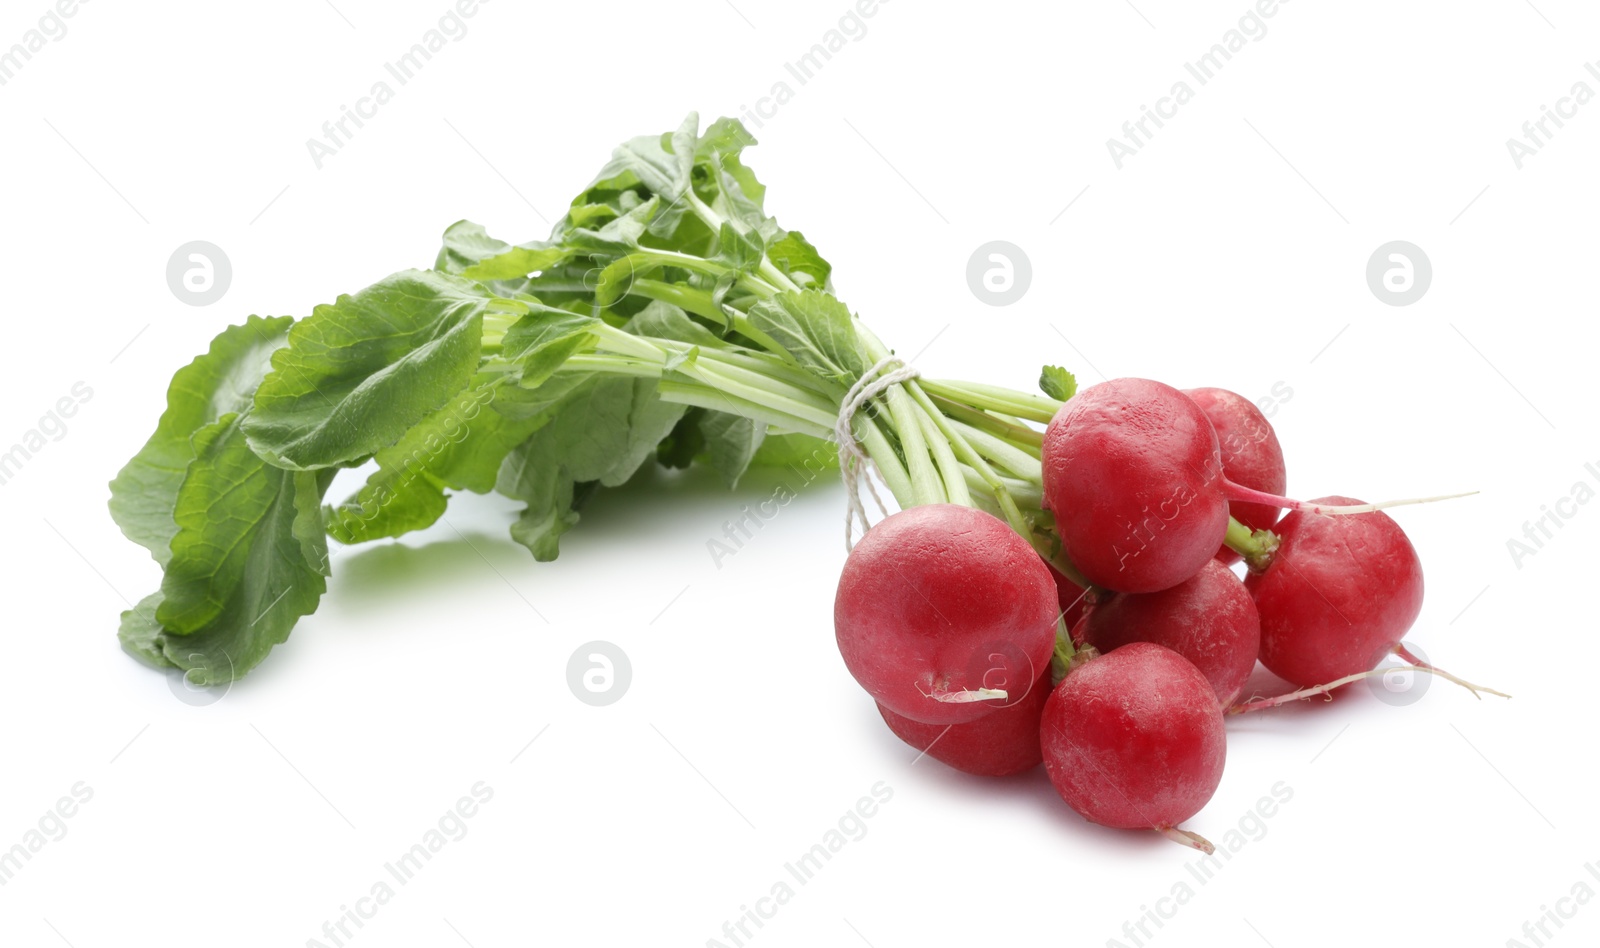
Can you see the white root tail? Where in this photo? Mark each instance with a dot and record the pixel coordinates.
(1405, 654)
(1187, 838)
(1261, 704)
(1369, 508)
(1238, 492)
(970, 697)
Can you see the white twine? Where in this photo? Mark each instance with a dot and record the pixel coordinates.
(851, 457)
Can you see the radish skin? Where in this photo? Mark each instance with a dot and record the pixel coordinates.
(942, 611)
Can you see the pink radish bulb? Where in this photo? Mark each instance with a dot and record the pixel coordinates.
(1208, 618)
(999, 744)
(1251, 455)
(1133, 739)
(940, 609)
(1133, 474)
(1339, 595)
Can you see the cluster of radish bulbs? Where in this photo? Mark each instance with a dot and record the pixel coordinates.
(988, 657)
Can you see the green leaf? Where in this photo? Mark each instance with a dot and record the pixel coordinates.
(816, 329)
(649, 421)
(614, 280)
(140, 633)
(731, 443)
(541, 341)
(547, 517)
(542, 400)
(728, 138)
(626, 231)
(792, 449)
(465, 245)
(602, 431)
(794, 255)
(217, 383)
(679, 449)
(722, 180)
(520, 261)
(668, 169)
(392, 503)
(660, 162)
(661, 320)
(307, 526)
(620, 235)
(359, 373)
(741, 251)
(591, 215)
(567, 286)
(1057, 383)
(540, 471)
(244, 566)
(459, 447)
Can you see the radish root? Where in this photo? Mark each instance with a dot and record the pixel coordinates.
(1238, 492)
(1405, 654)
(1187, 838)
(970, 697)
(1261, 704)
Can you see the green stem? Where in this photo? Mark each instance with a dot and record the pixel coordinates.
(769, 271)
(639, 357)
(739, 378)
(1020, 435)
(926, 487)
(631, 267)
(700, 303)
(686, 298)
(1028, 496)
(995, 398)
(778, 369)
(777, 277)
(598, 362)
(881, 451)
(955, 484)
(626, 343)
(795, 404)
(763, 378)
(1014, 460)
(1061, 658)
(706, 396)
(1256, 547)
(968, 455)
(1049, 548)
(903, 412)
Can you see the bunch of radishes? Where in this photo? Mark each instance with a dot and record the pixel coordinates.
(1060, 595)
(959, 629)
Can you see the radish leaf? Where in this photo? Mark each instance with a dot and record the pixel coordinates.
(816, 329)
(359, 373)
(221, 381)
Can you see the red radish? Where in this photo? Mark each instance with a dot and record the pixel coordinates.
(1251, 455)
(1133, 474)
(1072, 597)
(999, 744)
(942, 610)
(1133, 739)
(1208, 619)
(1339, 595)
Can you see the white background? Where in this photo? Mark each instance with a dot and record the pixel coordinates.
(1230, 251)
